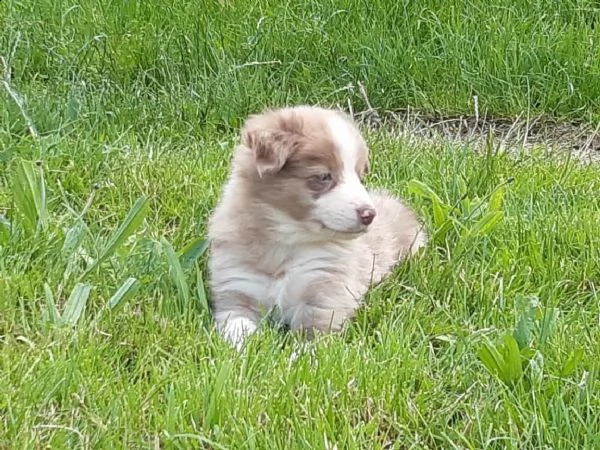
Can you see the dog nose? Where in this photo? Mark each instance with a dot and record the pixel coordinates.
(366, 215)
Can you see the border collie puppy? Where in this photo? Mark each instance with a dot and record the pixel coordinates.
(296, 234)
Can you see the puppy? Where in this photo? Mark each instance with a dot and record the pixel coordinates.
(296, 234)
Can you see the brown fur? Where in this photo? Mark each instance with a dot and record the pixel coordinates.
(287, 233)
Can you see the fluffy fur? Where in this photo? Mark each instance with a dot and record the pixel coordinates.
(296, 233)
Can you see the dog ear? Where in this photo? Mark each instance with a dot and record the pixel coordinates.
(271, 148)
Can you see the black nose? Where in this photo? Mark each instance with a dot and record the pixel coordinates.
(366, 215)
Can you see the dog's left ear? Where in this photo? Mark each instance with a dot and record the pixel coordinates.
(271, 148)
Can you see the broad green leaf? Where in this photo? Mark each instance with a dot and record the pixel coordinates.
(523, 331)
(491, 358)
(503, 360)
(123, 294)
(441, 232)
(512, 358)
(73, 238)
(572, 362)
(29, 191)
(462, 230)
(131, 222)
(53, 315)
(176, 272)
(191, 252)
(526, 310)
(75, 306)
(487, 223)
(536, 368)
(527, 353)
(419, 188)
(496, 199)
(440, 215)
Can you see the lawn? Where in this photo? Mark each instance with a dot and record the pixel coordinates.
(117, 121)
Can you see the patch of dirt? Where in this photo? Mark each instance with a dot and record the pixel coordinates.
(581, 140)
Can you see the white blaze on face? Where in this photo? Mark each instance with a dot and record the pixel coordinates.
(338, 209)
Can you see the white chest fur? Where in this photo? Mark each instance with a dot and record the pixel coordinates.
(279, 275)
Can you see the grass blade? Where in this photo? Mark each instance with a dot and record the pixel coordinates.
(575, 357)
(75, 306)
(176, 272)
(547, 324)
(131, 222)
(214, 395)
(201, 292)
(123, 294)
(52, 311)
(5, 230)
(191, 252)
(73, 238)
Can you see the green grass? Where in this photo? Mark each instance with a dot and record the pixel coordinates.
(487, 340)
(407, 371)
(215, 61)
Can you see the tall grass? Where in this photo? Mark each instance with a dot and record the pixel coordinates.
(99, 64)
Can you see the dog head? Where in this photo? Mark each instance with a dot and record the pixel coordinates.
(306, 164)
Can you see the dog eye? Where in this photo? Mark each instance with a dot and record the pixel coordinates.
(323, 177)
(321, 182)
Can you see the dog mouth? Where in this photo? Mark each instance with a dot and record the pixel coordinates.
(347, 234)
